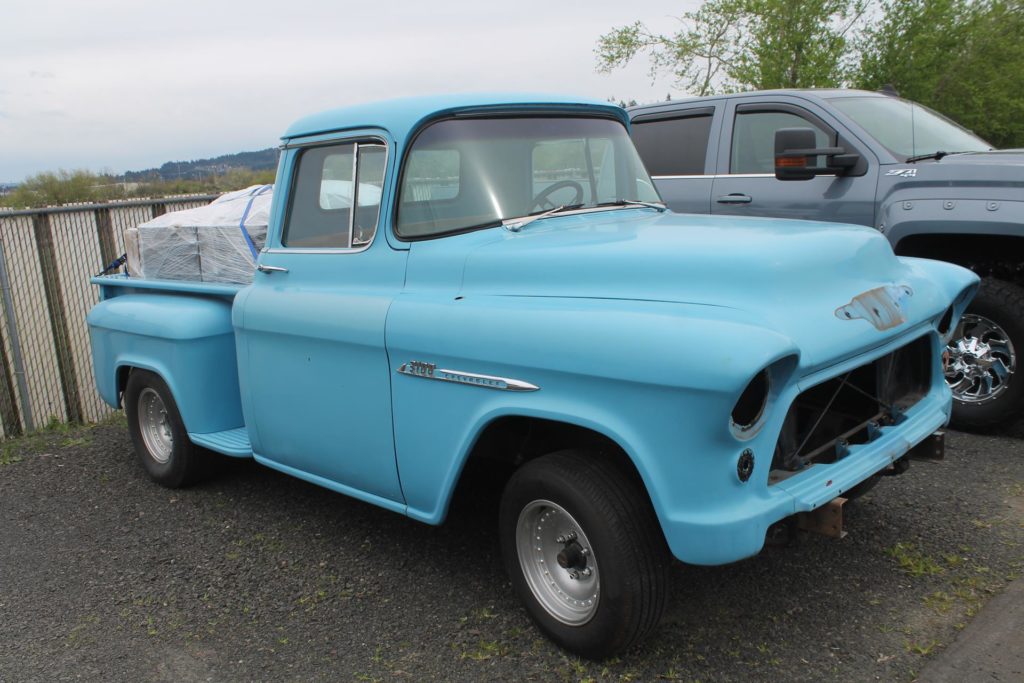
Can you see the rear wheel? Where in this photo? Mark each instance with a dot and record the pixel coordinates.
(584, 552)
(980, 361)
(161, 442)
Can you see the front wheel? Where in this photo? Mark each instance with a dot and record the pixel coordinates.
(584, 552)
(158, 433)
(981, 362)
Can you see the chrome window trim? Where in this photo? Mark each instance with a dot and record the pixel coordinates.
(355, 142)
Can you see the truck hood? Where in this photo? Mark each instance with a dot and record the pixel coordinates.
(998, 168)
(808, 280)
(996, 157)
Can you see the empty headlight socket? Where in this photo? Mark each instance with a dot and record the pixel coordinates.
(747, 414)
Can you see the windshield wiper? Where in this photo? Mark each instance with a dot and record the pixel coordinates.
(934, 155)
(631, 202)
(517, 224)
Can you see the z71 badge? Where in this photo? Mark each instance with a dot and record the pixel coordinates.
(903, 172)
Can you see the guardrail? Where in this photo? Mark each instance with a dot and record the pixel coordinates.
(46, 259)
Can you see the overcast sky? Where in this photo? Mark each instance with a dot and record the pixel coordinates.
(118, 85)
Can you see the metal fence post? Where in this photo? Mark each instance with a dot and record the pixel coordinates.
(105, 233)
(49, 268)
(10, 317)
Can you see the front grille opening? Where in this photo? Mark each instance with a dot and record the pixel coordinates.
(851, 409)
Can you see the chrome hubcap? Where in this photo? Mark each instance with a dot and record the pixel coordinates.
(154, 425)
(558, 562)
(979, 360)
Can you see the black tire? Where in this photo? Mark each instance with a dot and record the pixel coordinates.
(185, 463)
(617, 521)
(1003, 304)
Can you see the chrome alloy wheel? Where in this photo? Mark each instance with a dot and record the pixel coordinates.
(558, 562)
(155, 426)
(979, 360)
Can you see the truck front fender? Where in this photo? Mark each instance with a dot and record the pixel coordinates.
(657, 379)
(907, 216)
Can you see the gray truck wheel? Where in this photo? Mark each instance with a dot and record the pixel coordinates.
(161, 442)
(584, 552)
(981, 361)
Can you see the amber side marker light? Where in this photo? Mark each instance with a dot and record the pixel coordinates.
(791, 162)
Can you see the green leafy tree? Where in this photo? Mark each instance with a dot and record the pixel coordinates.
(964, 59)
(53, 188)
(729, 45)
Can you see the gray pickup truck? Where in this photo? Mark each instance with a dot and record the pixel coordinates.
(933, 188)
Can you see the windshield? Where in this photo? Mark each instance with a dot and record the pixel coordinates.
(470, 173)
(906, 128)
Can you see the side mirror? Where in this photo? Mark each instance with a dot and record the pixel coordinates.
(795, 146)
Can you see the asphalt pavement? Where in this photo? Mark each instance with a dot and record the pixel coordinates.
(254, 576)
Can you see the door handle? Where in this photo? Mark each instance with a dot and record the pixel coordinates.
(271, 269)
(734, 198)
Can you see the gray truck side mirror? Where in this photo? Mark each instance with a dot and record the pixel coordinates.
(793, 147)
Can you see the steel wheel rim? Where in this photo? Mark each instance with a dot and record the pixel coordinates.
(545, 531)
(155, 426)
(979, 361)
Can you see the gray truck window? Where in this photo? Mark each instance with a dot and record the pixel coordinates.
(673, 146)
(753, 139)
(327, 184)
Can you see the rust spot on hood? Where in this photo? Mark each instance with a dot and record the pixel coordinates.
(882, 306)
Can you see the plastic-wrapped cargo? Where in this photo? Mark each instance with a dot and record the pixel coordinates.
(213, 243)
(131, 248)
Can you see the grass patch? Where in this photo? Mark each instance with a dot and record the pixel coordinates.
(54, 434)
(913, 561)
(922, 649)
(483, 650)
(9, 455)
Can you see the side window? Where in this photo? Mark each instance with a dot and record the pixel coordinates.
(370, 170)
(329, 182)
(673, 146)
(753, 139)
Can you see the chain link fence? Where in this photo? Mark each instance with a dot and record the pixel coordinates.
(46, 259)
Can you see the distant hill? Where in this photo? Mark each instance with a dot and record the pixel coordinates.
(197, 169)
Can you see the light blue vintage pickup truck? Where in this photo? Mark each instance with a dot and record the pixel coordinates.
(503, 285)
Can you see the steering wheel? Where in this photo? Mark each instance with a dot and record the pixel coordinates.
(545, 195)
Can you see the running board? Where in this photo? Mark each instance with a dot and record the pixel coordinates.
(233, 442)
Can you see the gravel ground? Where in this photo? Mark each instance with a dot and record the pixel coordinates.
(257, 576)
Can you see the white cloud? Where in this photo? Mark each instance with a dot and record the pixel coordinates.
(117, 85)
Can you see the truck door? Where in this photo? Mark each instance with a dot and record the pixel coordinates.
(314, 371)
(745, 183)
(674, 146)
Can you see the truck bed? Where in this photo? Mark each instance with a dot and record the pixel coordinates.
(117, 285)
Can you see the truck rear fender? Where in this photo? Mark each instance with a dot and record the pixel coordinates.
(187, 340)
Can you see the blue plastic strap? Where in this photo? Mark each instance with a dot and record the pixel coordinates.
(241, 224)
